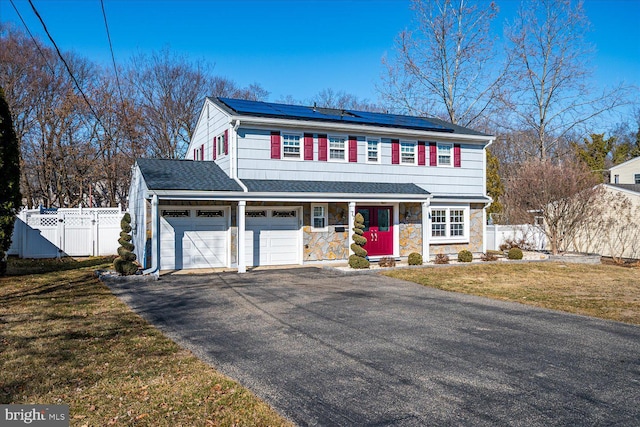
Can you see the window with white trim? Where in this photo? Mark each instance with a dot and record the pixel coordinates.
(445, 154)
(337, 146)
(407, 153)
(450, 224)
(291, 146)
(373, 151)
(220, 145)
(319, 217)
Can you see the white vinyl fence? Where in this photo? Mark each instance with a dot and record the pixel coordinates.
(499, 234)
(43, 233)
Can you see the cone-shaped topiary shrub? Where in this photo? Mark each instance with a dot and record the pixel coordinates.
(125, 263)
(358, 259)
(465, 256)
(415, 258)
(514, 253)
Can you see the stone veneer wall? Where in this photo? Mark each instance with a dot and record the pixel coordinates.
(331, 244)
(410, 233)
(475, 231)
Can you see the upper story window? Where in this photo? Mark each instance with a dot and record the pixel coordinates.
(291, 146)
(373, 151)
(449, 224)
(408, 153)
(337, 146)
(636, 178)
(220, 145)
(445, 154)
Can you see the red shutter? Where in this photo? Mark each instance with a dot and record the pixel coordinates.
(226, 141)
(308, 146)
(456, 156)
(215, 151)
(353, 149)
(322, 148)
(421, 153)
(395, 151)
(202, 152)
(275, 145)
(433, 154)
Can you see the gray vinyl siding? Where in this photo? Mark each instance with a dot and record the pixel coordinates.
(212, 123)
(254, 162)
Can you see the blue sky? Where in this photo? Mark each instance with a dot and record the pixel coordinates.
(291, 47)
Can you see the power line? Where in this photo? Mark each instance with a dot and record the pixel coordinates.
(75, 81)
(113, 58)
(46, 60)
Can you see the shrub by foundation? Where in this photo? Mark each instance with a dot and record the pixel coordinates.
(358, 259)
(465, 256)
(415, 258)
(514, 253)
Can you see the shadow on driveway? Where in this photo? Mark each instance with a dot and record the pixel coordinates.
(329, 349)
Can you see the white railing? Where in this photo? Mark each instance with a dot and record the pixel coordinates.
(43, 233)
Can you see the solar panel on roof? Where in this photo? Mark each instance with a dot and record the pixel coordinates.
(325, 114)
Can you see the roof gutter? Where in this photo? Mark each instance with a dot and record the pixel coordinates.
(358, 128)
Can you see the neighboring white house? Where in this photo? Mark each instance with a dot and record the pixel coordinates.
(275, 184)
(626, 173)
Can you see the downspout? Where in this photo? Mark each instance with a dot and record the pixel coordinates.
(155, 239)
(234, 159)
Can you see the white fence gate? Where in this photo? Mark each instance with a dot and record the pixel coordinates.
(498, 234)
(66, 232)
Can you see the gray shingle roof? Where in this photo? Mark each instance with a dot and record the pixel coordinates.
(283, 186)
(630, 187)
(164, 174)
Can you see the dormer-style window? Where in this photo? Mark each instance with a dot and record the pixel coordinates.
(337, 145)
(290, 146)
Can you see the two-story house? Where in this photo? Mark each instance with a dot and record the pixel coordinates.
(275, 184)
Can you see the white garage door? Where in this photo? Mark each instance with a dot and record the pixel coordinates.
(193, 238)
(273, 236)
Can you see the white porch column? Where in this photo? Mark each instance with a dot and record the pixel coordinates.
(425, 231)
(352, 216)
(242, 262)
(484, 229)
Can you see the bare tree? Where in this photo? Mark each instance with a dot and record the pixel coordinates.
(448, 65)
(329, 98)
(550, 93)
(563, 194)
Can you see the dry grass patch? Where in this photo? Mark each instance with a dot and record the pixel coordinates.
(608, 292)
(64, 338)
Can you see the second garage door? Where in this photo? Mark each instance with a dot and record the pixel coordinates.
(273, 236)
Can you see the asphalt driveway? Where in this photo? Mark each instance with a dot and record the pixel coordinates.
(329, 349)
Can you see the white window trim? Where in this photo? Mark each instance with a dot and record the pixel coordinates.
(346, 149)
(220, 145)
(438, 145)
(415, 152)
(379, 154)
(325, 210)
(300, 151)
(636, 178)
(447, 238)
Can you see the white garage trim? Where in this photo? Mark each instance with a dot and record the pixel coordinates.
(204, 239)
(276, 228)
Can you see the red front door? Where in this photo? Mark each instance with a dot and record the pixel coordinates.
(378, 229)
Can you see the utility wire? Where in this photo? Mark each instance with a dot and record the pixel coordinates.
(113, 58)
(75, 81)
(46, 60)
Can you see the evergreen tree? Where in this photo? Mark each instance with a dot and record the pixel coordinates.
(10, 197)
(594, 153)
(495, 188)
(358, 259)
(125, 263)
